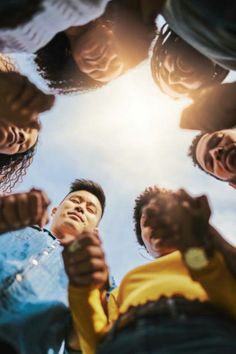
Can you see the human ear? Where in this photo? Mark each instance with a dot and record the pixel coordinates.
(53, 212)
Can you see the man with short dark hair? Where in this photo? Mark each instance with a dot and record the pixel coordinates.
(215, 154)
(34, 316)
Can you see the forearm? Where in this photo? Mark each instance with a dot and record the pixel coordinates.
(227, 250)
(89, 318)
(218, 283)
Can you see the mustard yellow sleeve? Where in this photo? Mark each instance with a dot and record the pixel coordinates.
(218, 282)
(89, 318)
(113, 309)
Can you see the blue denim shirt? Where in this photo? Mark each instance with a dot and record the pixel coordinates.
(33, 292)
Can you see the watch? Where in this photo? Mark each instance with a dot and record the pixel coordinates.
(196, 258)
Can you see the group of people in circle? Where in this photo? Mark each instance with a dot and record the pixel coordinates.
(79, 46)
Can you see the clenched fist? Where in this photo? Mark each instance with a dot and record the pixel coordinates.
(21, 101)
(85, 263)
(23, 209)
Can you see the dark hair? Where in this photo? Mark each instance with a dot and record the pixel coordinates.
(17, 12)
(192, 153)
(13, 168)
(164, 41)
(142, 200)
(56, 65)
(91, 187)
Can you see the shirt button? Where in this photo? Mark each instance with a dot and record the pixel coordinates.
(19, 277)
(35, 262)
(46, 253)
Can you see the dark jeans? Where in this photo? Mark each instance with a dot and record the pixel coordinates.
(184, 335)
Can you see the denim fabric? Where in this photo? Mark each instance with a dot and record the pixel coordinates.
(208, 26)
(197, 335)
(33, 292)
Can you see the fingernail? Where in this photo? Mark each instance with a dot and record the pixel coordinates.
(74, 247)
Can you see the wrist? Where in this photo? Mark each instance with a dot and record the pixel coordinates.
(195, 258)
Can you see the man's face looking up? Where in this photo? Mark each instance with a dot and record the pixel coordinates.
(216, 154)
(79, 212)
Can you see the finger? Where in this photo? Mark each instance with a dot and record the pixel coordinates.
(204, 206)
(17, 85)
(36, 207)
(23, 209)
(3, 225)
(10, 212)
(33, 123)
(97, 279)
(24, 93)
(86, 267)
(44, 219)
(184, 196)
(45, 200)
(41, 102)
(84, 255)
(89, 239)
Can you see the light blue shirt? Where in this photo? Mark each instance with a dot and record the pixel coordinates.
(34, 311)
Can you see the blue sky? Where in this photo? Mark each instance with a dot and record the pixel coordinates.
(126, 137)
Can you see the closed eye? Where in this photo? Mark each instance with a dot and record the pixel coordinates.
(215, 140)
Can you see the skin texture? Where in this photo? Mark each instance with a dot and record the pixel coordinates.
(75, 223)
(15, 140)
(78, 213)
(95, 53)
(179, 74)
(216, 153)
(23, 209)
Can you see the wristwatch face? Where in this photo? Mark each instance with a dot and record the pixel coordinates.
(196, 258)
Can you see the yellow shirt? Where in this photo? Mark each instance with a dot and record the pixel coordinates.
(166, 276)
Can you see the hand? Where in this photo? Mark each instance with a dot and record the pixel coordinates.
(85, 262)
(21, 101)
(181, 222)
(213, 109)
(23, 209)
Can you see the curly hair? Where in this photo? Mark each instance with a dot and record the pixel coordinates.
(161, 46)
(57, 67)
(142, 200)
(13, 168)
(17, 12)
(192, 154)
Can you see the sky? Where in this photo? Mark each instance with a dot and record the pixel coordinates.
(124, 136)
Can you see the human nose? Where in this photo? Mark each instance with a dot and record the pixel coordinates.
(22, 137)
(80, 209)
(216, 152)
